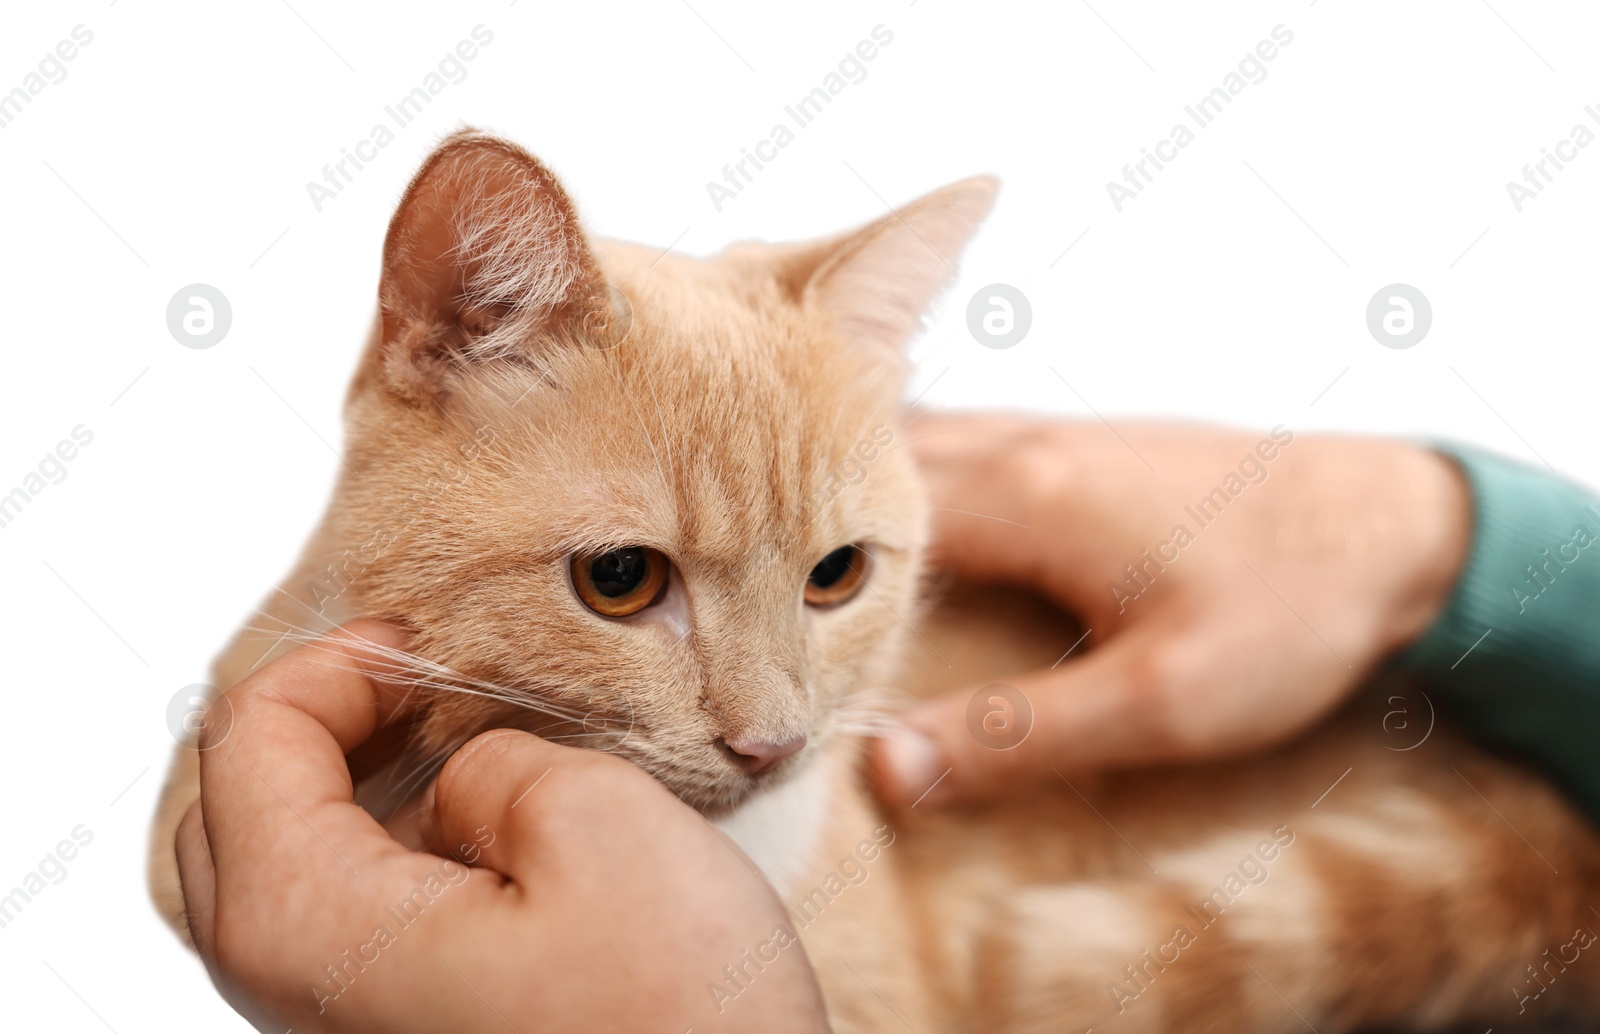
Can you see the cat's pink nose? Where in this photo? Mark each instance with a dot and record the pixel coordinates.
(758, 756)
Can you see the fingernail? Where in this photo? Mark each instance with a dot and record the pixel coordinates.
(914, 764)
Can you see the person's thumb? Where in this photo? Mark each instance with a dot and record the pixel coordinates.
(1104, 710)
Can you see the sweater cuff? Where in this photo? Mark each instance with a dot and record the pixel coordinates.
(1529, 595)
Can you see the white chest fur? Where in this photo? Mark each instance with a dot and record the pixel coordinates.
(782, 828)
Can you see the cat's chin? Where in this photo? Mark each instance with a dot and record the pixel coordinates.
(781, 822)
(724, 801)
(729, 796)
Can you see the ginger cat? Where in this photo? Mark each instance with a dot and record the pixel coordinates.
(618, 495)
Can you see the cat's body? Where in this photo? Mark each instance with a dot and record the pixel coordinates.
(530, 400)
(1393, 897)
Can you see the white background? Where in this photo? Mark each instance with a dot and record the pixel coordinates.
(178, 148)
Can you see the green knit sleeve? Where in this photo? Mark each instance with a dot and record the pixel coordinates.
(1516, 653)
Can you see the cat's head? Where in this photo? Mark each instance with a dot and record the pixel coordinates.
(656, 505)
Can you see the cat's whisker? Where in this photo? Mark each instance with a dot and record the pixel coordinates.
(856, 707)
(864, 732)
(880, 720)
(302, 603)
(281, 632)
(408, 669)
(877, 720)
(581, 739)
(306, 636)
(426, 764)
(427, 767)
(871, 711)
(503, 697)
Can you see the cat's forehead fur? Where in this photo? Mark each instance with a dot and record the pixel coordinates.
(708, 431)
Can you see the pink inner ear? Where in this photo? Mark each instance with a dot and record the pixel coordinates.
(876, 282)
(484, 233)
(485, 259)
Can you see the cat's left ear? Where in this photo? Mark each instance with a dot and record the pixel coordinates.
(874, 284)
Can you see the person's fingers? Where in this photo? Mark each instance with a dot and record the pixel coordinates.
(197, 878)
(1116, 706)
(1019, 501)
(492, 800)
(276, 787)
(977, 507)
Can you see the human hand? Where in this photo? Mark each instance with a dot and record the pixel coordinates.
(1321, 556)
(597, 900)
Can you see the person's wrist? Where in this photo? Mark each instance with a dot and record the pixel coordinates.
(1436, 511)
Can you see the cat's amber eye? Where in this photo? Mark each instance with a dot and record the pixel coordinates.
(837, 577)
(620, 582)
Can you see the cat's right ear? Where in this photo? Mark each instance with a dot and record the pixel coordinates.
(874, 284)
(485, 260)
